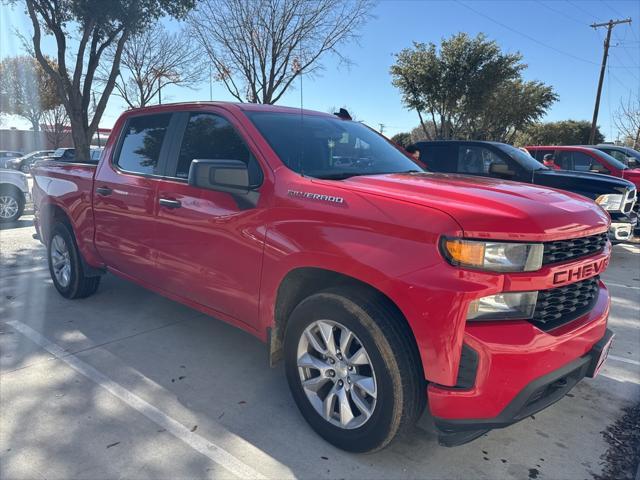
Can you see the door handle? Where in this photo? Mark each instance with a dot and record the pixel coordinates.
(104, 191)
(167, 202)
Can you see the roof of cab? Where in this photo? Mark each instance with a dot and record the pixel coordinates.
(249, 107)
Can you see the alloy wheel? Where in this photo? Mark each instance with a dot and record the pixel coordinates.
(8, 206)
(60, 261)
(336, 373)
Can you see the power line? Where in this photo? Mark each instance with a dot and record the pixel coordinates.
(573, 19)
(533, 39)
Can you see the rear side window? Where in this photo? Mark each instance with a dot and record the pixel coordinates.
(437, 158)
(142, 143)
(209, 137)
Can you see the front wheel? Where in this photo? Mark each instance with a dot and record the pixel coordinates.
(65, 265)
(352, 369)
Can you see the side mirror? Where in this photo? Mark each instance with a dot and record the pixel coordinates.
(231, 176)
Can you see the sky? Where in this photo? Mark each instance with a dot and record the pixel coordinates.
(553, 36)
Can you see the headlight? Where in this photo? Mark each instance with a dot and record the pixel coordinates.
(504, 306)
(493, 256)
(610, 202)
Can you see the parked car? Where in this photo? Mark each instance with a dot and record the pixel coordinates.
(6, 155)
(69, 155)
(626, 155)
(587, 159)
(14, 195)
(24, 163)
(502, 161)
(380, 285)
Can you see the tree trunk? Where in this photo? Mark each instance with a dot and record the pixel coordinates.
(81, 142)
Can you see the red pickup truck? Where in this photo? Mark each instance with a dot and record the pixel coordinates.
(384, 288)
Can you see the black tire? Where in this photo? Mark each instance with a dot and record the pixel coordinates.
(9, 191)
(79, 285)
(401, 395)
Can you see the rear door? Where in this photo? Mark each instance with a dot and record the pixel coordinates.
(125, 201)
(209, 243)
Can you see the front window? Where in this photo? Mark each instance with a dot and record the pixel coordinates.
(608, 159)
(331, 148)
(523, 159)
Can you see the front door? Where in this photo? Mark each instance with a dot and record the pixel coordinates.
(209, 244)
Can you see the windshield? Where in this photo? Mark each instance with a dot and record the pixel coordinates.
(610, 160)
(330, 148)
(524, 159)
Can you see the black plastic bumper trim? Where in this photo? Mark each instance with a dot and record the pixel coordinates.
(453, 432)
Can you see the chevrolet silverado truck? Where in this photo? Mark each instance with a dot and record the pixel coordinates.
(383, 288)
(499, 160)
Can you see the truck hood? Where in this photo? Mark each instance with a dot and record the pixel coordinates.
(490, 208)
(596, 181)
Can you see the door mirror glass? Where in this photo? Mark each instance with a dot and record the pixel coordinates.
(231, 176)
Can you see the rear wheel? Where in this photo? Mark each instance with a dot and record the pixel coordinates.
(11, 204)
(65, 265)
(352, 369)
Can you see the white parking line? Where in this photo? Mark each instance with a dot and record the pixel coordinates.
(198, 443)
(613, 284)
(624, 360)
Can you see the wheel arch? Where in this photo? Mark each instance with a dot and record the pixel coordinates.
(302, 282)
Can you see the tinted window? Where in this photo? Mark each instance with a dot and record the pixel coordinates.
(437, 158)
(210, 137)
(539, 154)
(581, 161)
(476, 160)
(328, 147)
(142, 142)
(609, 160)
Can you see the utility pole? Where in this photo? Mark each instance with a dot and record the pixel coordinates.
(610, 24)
(382, 125)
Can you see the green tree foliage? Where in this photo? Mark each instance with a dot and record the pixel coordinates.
(566, 132)
(26, 90)
(468, 89)
(403, 139)
(98, 25)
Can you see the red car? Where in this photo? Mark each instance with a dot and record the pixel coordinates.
(586, 159)
(380, 285)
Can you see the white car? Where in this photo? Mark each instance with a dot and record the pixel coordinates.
(14, 194)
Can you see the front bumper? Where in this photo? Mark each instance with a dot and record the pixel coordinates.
(536, 396)
(622, 231)
(513, 359)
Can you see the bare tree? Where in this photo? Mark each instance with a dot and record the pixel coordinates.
(627, 121)
(258, 47)
(99, 24)
(154, 59)
(25, 89)
(56, 124)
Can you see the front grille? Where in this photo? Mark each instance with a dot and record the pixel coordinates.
(562, 250)
(561, 305)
